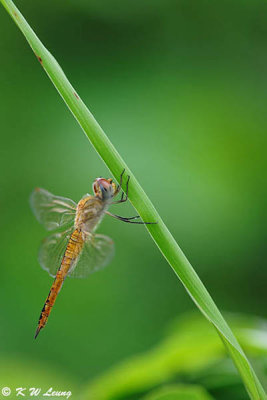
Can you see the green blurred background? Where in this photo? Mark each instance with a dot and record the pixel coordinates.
(180, 89)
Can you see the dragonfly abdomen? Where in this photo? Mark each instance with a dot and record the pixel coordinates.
(70, 257)
(72, 252)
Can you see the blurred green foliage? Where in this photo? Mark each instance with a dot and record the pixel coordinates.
(191, 352)
(179, 392)
(180, 88)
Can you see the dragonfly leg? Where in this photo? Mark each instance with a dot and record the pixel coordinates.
(129, 219)
(122, 199)
(120, 183)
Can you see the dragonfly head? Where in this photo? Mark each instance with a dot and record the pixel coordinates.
(104, 188)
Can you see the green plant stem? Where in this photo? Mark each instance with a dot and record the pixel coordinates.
(141, 202)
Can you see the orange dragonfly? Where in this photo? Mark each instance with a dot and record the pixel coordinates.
(75, 251)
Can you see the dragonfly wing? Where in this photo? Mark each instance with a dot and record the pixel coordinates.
(52, 211)
(52, 251)
(96, 254)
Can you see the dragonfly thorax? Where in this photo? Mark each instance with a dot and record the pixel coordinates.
(89, 213)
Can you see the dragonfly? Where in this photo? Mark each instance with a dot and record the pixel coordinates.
(74, 249)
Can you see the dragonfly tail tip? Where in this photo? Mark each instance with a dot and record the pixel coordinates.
(37, 332)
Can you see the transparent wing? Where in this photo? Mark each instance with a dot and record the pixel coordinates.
(52, 251)
(96, 253)
(52, 211)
